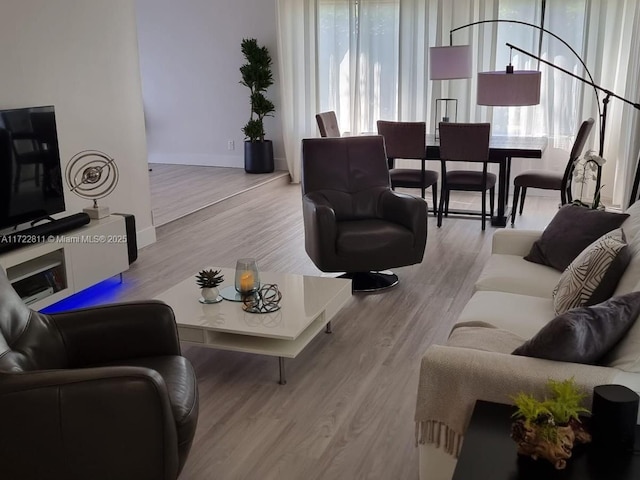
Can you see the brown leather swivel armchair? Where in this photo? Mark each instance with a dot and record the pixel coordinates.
(353, 221)
(93, 394)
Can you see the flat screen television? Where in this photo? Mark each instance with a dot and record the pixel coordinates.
(30, 172)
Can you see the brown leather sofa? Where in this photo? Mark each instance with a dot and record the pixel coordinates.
(353, 221)
(93, 394)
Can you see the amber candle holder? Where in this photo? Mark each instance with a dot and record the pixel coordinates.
(247, 280)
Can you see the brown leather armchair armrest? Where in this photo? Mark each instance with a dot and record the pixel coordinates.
(320, 229)
(118, 331)
(408, 211)
(97, 423)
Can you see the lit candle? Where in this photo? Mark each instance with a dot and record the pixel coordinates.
(246, 282)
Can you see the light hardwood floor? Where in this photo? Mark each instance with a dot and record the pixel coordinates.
(199, 187)
(347, 410)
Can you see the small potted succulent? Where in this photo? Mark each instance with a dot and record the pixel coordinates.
(208, 281)
(549, 428)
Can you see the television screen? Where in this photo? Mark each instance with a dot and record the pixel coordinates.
(30, 171)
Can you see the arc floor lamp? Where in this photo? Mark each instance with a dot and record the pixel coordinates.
(518, 87)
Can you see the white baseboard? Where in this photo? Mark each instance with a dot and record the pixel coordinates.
(207, 160)
(146, 236)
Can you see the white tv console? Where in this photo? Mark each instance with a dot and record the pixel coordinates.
(60, 265)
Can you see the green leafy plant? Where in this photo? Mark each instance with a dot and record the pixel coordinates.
(565, 402)
(257, 76)
(563, 406)
(535, 413)
(209, 278)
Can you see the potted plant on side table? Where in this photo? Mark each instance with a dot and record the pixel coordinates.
(550, 428)
(257, 76)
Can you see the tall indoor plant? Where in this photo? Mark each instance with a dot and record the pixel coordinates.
(257, 76)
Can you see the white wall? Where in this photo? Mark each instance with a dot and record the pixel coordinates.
(190, 58)
(81, 56)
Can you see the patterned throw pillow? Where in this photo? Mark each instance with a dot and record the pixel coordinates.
(593, 275)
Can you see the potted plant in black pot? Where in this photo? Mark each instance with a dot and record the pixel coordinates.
(257, 76)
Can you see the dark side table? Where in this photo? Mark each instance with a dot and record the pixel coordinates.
(489, 453)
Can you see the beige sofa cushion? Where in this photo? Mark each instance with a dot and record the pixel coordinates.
(631, 275)
(513, 274)
(631, 225)
(522, 315)
(631, 228)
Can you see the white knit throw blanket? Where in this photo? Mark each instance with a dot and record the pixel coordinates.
(476, 365)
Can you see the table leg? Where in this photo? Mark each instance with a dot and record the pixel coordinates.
(283, 379)
(500, 219)
(328, 329)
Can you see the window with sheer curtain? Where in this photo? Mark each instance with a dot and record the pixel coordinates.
(358, 61)
(359, 46)
(368, 60)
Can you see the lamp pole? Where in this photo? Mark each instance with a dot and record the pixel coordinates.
(603, 114)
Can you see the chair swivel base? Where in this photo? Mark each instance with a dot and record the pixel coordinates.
(371, 281)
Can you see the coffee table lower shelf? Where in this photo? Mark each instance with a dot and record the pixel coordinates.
(275, 347)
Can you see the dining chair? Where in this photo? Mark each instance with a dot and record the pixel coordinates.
(407, 140)
(328, 124)
(548, 180)
(465, 142)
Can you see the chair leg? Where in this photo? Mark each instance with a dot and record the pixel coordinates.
(492, 199)
(516, 193)
(434, 192)
(484, 208)
(443, 195)
(423, 191)
(522, 195)
(446, 204)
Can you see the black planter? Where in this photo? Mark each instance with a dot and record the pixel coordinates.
(258, 156)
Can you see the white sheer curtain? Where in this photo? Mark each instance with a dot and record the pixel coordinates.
(368, 60)
(298, 53)
(358, 53)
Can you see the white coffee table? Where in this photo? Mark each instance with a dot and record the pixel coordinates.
(308, 304)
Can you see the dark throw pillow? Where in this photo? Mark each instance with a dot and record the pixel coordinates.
(571, 231)
(584, 334)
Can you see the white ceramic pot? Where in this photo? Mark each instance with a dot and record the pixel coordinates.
(210, 294)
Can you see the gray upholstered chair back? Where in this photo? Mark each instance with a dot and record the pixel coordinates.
(467, 142)
(350, 172)
(328, 124)
(576, 150)
(404, 139)
(581, 139)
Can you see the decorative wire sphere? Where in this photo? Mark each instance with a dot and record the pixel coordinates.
(92, 174)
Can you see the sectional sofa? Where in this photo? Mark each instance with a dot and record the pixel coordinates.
(512, 302)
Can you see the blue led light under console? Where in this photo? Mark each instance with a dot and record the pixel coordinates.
(107, 291)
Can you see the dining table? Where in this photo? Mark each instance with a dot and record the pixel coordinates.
(502, 148)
